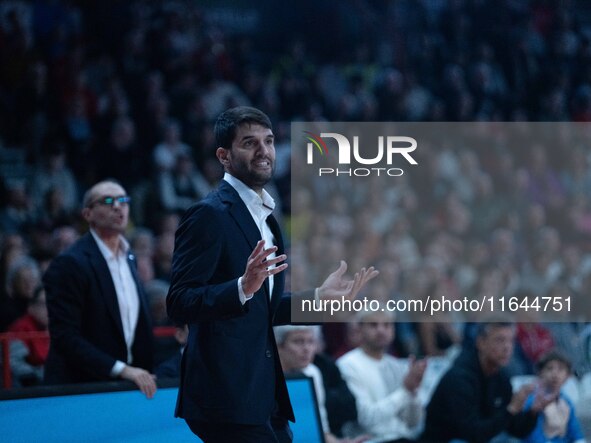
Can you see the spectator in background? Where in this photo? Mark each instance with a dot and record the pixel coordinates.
(163, 256)
(54, 174)
(122, 159)
(62, 238)
(100, 324)
(21, 280)
(182, 186)
(437, 335)
(385, 388)
(53, 213)
(557, 422)
(142, 242)
(156, 291)
(17, 214)
(168, 223)
(171, 368)
(170, 148)
(544, 185)
(566, 335)
(13, 247)
(28, 355)
(474, 399)
(34, 107)
(164, 347)
(297, 346)
(533, 339)
(145, 268)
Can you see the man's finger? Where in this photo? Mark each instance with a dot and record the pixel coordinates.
(148, 387)
(341, 270)
(369, 273)
(257, 249)
(143, 388)
(262, 255)
(277, 269)
(151, 389)
(357, 285)
(275, 260)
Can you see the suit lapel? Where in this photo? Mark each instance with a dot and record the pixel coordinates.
(105, 282)
(239, 212)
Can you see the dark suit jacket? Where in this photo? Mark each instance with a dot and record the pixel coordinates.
(169, 368)
(84, 319)
(230, 371)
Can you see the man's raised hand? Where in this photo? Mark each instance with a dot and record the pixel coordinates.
(258, 268)
(336, 287)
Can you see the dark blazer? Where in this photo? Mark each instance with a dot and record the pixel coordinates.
(84, 319)
(230, 370)
(471, 406)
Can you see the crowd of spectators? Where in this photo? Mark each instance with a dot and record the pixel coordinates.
(129, 90)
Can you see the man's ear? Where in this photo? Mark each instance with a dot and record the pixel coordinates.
(85, 213)
(222, 155)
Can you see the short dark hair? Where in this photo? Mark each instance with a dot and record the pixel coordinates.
(500, 322)
(229, 121)
(553, 355)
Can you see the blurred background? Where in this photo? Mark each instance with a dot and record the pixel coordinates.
(130, 90)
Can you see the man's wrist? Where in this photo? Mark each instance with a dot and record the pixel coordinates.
(117, 369)
(244, 297)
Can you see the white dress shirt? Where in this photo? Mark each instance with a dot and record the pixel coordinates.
(127, 293)
(384, 407)
(260, 209)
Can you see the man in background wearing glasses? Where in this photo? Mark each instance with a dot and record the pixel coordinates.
(98, 312)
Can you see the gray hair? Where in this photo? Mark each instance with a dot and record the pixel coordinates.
(282, 332)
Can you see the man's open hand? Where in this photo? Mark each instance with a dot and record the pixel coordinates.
(414, 376)
(337, 287)
(258, 268)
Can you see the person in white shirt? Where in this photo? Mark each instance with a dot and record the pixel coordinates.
(385, 387)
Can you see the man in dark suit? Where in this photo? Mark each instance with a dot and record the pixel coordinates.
(99, 320)
(227, 285)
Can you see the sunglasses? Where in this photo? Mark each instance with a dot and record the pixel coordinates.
(110, 201)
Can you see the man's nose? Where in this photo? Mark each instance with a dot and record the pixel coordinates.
(263, 149)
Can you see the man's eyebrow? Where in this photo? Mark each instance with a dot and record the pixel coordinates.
(248, 137)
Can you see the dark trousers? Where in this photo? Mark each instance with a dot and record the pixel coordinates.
(275, 430)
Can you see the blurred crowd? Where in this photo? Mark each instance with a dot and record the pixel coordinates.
(129, 90)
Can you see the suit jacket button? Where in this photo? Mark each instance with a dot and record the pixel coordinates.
(268, 353)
